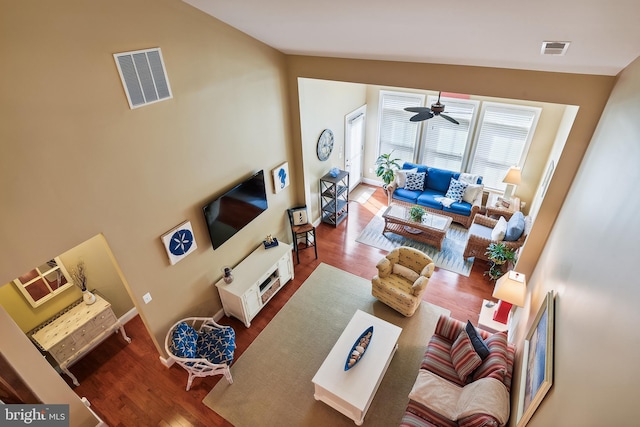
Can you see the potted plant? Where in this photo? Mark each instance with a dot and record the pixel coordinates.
(385, 165)
(500, 256)
(416, 213)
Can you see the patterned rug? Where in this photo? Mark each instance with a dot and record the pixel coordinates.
(449, 258)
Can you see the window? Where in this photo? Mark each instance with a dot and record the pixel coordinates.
(445, 145)
(396, 133)
(504, 134)
(44, 282)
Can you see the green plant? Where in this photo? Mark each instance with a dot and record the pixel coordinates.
(499, 254)
(385, 166)
(416, 213)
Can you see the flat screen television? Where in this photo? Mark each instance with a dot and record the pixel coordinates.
(229, 213)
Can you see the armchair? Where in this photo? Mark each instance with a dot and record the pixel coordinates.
(403, 275)
(202, 347)
(480, 237)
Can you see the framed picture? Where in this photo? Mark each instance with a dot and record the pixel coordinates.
(179, 242)
(299, 216)
(280, 177)
(537, 364)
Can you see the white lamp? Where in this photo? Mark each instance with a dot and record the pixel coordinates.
(510, 289)
(512, 179)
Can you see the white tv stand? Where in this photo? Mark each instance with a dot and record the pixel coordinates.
(255, 281)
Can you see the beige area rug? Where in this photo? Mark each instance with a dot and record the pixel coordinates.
(272, 379)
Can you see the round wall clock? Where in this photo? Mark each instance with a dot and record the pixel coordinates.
(325, 144)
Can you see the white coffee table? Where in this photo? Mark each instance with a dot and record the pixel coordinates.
(351, 392)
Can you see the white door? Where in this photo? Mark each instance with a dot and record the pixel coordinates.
(354, 145)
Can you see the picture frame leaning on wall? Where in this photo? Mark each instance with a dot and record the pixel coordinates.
(537, 364)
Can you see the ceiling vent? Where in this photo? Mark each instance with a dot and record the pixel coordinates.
(554, 48)
(143, 76)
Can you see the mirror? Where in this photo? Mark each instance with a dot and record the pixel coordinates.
(44, 282)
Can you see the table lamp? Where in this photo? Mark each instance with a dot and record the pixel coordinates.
(510, 289)
(512, 179)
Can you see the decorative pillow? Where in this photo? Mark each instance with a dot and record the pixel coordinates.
(217, 345)
(456, 190)
(476, 340)
(401, 176)
(184, 341)
(495, 365)
(515, 227)
(405, 272)
(498, 232)
(415, 181)
(464, 357)
(471, 192)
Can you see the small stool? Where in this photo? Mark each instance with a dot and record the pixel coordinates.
(301, 228)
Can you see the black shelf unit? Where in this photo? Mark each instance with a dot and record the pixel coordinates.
(334, 197)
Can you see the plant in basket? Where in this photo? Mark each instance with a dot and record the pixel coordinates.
(500, 257)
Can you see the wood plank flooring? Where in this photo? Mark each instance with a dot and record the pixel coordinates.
(127, 385)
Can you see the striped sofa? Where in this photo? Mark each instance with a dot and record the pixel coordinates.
(438, 359)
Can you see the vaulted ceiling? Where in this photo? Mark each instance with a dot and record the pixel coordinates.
(604, 36)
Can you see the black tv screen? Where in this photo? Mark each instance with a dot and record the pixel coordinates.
(236, 208)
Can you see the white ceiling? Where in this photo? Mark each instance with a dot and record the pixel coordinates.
(604, 36)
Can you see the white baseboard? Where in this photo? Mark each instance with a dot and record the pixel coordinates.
(371, 182)
(128, 315)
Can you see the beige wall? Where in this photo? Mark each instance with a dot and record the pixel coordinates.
(77, 162)
(324, 105)
(589, 262)
(35, 371)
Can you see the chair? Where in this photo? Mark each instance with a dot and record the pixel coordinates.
(301, 228)
(480, 237)
(202, 347)
(403, 275)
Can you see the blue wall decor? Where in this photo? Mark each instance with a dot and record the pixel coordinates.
(179, 242)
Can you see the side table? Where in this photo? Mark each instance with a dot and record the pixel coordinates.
(494, 208)
(486, 321)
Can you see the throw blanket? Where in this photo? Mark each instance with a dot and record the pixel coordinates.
(485, 396)
(445, 201)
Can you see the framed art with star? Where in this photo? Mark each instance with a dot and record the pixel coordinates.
(179, 242)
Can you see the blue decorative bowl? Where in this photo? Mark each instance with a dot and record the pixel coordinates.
(363, 342)
(334, 172)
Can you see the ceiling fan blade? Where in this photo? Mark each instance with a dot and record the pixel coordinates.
(417, 109)
(421, 116)
(451, 119)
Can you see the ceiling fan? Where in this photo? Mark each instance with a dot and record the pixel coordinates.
(424, 113)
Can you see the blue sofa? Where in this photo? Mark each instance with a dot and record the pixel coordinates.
(436, 184)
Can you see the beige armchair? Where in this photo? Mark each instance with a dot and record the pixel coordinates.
(480, 237)
(402, 278)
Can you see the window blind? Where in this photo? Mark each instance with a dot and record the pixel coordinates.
(445, 144)
(504, 134)
(396, 133)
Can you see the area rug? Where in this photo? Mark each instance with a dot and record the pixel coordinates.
(272, 379)
(449, 258)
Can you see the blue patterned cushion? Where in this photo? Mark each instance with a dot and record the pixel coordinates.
(217, 345)
(456, 190)
(415, 181)
(184, 341)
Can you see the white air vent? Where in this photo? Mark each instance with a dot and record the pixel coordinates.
(554, 48)
(143, 76)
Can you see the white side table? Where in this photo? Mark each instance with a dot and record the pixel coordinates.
(486, 321)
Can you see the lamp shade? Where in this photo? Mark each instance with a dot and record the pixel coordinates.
(512, 288)
(513, 176)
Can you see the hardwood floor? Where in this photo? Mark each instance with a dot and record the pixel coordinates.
(127, 385)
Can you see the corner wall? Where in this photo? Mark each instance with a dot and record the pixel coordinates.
(589, 261)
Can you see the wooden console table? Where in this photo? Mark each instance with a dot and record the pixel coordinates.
(75, 331)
